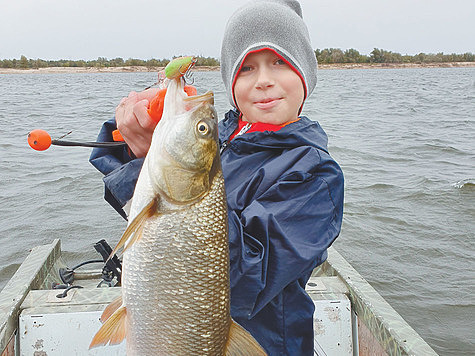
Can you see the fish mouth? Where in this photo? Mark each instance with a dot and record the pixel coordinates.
(195, 100)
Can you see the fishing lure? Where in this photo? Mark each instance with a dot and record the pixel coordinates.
(179, 67)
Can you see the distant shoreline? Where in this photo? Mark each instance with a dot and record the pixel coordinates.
(132, 69)
(396, 65)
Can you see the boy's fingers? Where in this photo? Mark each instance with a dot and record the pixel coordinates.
(124, 115)
(134, 122)
(148, 94)
(143, 118)
(132, 95)
(124, 103)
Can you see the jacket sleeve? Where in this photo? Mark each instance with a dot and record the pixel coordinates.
(283, 234)
(120, 169)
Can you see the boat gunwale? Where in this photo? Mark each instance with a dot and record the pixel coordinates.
(30, 275)
(393, 333)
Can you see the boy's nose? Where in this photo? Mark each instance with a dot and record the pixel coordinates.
(264, 79)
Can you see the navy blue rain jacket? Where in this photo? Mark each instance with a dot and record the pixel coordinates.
(285, 207)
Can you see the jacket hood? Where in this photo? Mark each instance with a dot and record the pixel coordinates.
(303, 132)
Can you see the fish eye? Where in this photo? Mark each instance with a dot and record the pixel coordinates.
(202, 127)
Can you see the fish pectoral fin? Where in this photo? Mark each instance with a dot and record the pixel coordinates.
(112, 331)
(241, 343)
(135, 227)
(111, 308)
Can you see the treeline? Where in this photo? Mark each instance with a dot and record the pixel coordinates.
(101, 62)
(324, 56)
(336, 55)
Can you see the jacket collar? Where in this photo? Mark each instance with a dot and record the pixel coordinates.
(303, 132)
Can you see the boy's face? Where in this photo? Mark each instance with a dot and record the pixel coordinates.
(268, 90)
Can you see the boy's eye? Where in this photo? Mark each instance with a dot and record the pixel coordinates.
(245, 69)
(280, 61)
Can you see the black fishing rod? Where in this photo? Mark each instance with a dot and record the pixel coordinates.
(87, 144)
(40, 140)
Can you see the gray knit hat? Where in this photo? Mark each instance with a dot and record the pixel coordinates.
(273, 24)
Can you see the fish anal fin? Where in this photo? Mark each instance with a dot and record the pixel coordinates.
(112, 331)
(135, 227)
(241, 343)
(111, 308)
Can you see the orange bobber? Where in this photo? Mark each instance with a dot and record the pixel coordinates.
(39, 140)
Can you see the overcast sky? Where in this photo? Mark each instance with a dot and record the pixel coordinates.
(86, 29)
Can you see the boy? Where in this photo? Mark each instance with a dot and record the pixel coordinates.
(284, 191)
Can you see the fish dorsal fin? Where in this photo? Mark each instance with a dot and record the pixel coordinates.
(241, 343)
(111, 308)
(135, 227)
(112, 331)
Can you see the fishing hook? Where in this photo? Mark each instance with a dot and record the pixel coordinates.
(188, 74)
(187, 79)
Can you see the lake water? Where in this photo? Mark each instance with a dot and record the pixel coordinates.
(405, 139)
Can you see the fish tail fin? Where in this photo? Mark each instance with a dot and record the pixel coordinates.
(112, 331)
(241, 343)
(111, 308)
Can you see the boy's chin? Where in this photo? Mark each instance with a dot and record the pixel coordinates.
(270, 119)
(274, 117)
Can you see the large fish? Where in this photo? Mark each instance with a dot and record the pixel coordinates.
(175, 281)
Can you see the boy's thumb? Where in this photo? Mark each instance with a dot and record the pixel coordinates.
(142, 115)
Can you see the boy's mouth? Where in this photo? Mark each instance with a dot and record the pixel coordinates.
(267, 103)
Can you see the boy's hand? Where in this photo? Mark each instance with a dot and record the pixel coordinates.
(134, 123)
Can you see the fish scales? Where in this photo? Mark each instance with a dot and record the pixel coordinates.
(181, 243)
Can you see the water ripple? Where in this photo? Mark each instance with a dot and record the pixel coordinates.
(468, 183)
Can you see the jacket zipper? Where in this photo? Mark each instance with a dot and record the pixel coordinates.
(223, 147)
(243, 130)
